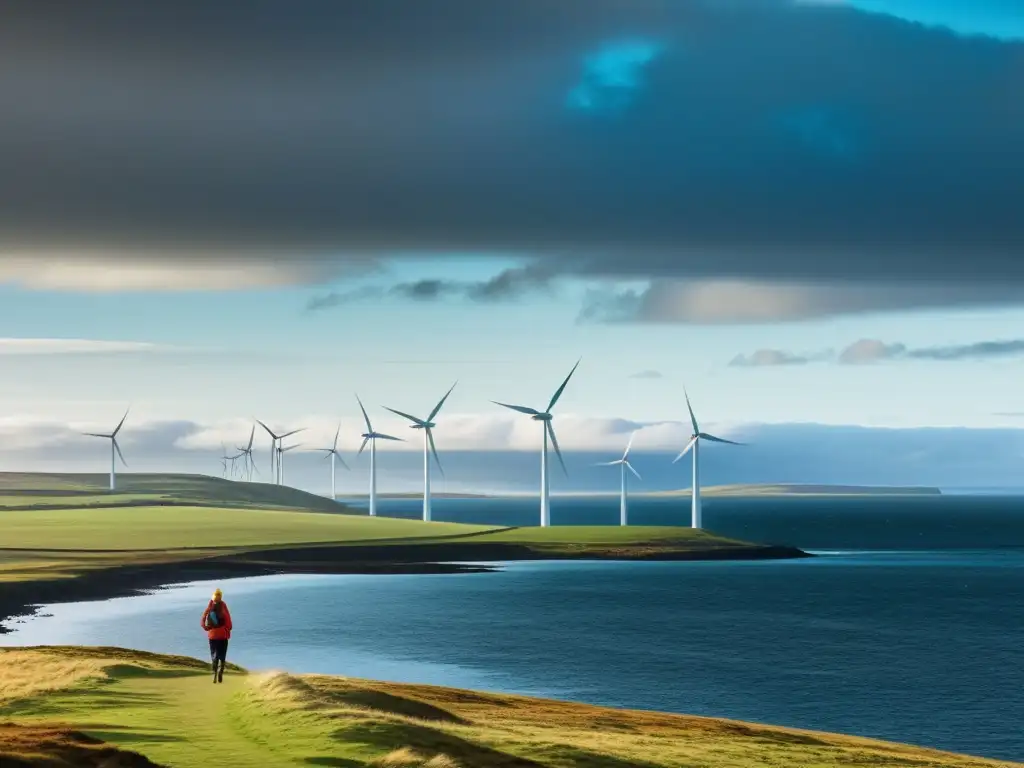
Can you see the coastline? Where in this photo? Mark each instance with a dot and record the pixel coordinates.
(22, 598)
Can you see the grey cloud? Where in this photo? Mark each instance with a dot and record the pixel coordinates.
(732, 301)
(768, 357)
(648, 374)
(749, 148)
(875, 350)
(506, 285)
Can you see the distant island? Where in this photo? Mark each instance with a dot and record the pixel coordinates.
(801, 489)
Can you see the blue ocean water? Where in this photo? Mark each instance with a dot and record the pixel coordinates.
(910, 630)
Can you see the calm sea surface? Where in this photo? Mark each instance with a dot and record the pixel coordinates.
(911, 628)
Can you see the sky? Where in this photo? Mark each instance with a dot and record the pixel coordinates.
(803, 213)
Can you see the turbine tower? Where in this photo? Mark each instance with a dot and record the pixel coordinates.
(371, 437)
(695, 438)
(624, 464)
(112, 437)
(275, 447)
(545, 418)
(332, 454)
(427, 425)
(281, 451)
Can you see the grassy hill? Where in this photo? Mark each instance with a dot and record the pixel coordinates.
(37, 490)
(119, 708)
(804, 489)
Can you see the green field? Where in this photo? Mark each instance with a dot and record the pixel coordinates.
(58, 700)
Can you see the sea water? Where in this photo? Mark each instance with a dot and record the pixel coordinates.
(909, 629)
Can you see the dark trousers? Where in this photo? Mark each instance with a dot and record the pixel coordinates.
(218, 650)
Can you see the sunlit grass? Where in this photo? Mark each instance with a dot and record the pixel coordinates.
(167, 709)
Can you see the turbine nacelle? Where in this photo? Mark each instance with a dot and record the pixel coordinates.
(543, 416)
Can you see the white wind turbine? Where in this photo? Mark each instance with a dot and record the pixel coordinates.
(332, 454)
(624, 464)
(275, 450)
(248, 461)
(695, 438)
(545, 418)
(427, 425)
(112, 437)
(281, 451)
(371, 437)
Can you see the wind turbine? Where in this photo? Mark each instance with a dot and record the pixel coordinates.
(112, 437)
(275, 446)
(624, 464)
(281, 451)
(427, 425)
(545, 418)
(695, 438)
(332, 454)
(249, 462)
(371, 437)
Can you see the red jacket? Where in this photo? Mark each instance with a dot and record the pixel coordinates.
(222, 632)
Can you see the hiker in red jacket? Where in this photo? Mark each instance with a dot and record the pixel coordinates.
(217, 623)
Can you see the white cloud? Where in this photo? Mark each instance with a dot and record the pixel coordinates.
(15, 346)
(115, 273)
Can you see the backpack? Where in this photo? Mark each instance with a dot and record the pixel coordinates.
(213, 619)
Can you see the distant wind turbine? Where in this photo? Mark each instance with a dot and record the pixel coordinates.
(112, 437)
(695, 438)
(427, 425)
(624, 464)
(371, 437)
(545, 418)
(332, 454)
(281, 451)
(275, 442)
(248, 462)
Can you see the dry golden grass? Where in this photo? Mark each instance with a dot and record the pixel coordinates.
(29, 746)
(408, 758)
(29, 673)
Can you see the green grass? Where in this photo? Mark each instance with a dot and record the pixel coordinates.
(153, 528)
(167, 709)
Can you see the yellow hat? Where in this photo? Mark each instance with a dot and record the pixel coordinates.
(217, 594)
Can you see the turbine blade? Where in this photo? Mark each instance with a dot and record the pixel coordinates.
(713, 439)
(433, 448)
(561, 389)
(97, 434)
(363, 446)
(252, 435)
(118, 449)
(630, 468)
(628, 446)
(388, 437)
(369, 427)
(609, 463)
(413, 419)
(120, 423)
(252, 464)
(336, 433)
(520, 408)
(437, 407)
(554, 444)
(346, 466)
(269, 432)
(693, 419)
(293, 432)
(685, 450)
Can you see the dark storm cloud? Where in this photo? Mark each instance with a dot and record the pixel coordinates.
(874, 350)
(759, 140)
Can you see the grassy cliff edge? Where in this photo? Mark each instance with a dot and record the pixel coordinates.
(118, 708)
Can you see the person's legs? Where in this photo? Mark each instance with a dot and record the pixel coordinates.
(213, 657)
(223, 654)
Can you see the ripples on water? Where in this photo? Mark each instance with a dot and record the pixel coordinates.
(920, 643)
